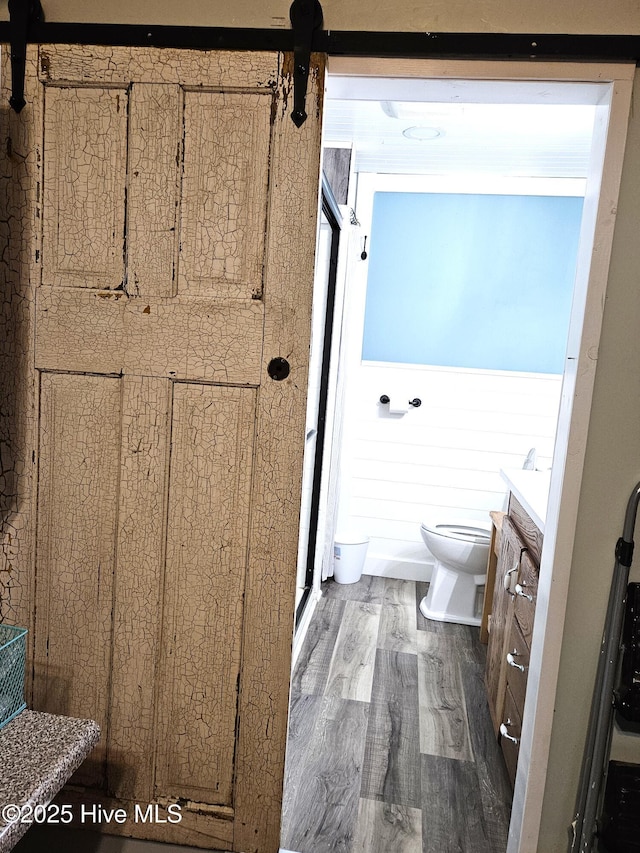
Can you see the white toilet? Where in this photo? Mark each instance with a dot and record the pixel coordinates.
(461, 550)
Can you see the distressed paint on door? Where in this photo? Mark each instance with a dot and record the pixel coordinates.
(77, 520)
(174, 260)
(19, 239)
(209, 501)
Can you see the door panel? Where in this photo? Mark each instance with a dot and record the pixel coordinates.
(207, 541)
(85, 137)
(173, 262)
(77, 518)
(224, 209)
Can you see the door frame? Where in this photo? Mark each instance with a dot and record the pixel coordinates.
(594, 254)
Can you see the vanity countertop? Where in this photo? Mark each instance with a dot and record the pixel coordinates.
(38, 754)
(531, 488)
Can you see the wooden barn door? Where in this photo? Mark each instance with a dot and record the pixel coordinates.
(175, 203)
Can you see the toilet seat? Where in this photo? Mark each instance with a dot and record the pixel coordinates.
(465, 531)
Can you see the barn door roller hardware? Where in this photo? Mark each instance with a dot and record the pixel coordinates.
(306, 20)
(26, 25)
(22, 14)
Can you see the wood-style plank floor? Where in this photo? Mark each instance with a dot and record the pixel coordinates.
(391, 746)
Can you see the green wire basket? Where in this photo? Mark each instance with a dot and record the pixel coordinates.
(12, 659)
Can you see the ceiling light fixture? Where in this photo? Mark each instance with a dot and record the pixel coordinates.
(422, 133)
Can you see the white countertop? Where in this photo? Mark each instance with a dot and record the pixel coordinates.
(531, 488)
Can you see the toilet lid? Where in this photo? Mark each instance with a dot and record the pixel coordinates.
(467, 531)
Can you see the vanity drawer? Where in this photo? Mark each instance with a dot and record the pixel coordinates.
(517, 661)
(525, 597)
(510, 732)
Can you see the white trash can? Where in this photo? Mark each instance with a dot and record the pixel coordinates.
(349, 554)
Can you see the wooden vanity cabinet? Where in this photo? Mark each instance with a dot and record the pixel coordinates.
(511, 628)
(511, 547)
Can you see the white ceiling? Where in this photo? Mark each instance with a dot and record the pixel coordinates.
(485, 127)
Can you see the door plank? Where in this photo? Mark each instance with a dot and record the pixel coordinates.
(79, 467)
(155, 152)
(138, 585)
(207, 539)
(85, 139)
(107, 332)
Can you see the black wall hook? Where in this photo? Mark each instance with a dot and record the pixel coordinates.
(306, 19)
(22, 14)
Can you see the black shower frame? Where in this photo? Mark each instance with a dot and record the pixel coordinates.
(332, 212)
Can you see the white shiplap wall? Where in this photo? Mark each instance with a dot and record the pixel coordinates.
(442, 459)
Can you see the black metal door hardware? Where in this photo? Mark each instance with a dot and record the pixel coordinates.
(27, 25)
(306, 20)
(278, 368)
(23, 14)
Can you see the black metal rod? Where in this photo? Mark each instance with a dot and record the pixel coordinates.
(560, 46)
(482, 45)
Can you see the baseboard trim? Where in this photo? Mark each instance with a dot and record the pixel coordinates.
(392, 567)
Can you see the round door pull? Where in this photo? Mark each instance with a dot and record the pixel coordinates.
(278, 368)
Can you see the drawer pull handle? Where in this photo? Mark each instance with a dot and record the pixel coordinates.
(511, 660)
(507, 578)
(504, 731)
(520, 591)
